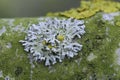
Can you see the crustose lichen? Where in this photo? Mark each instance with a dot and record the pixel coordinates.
(54, 39)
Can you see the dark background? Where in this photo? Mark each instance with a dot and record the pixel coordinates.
(34, 8)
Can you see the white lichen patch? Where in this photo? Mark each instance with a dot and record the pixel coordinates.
(19, 28)
(2, 30)
(7, 78)
(32, 66)
(9, 22)
(8, 45)
(91, 57)
(119, 44)
(1, 74)
(118, 56)
(41, 19)
(54, 39)
(110, 16)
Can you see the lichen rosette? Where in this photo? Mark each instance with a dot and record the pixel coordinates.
(54, 39)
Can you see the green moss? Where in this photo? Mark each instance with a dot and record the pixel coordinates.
(15, 57)
(98, 40)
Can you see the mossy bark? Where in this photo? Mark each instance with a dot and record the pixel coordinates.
(101, 39)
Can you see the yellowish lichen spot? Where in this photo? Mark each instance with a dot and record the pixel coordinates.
(44, 42)
(90, 8)
(50, 46)
(60, 37)
(118, 23)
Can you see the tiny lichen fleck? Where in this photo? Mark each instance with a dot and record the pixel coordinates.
(54, 39)
(91, 57)
(118, 56)
(1, 74)
(2, 30)
(7, 78)
(8, 45)
(110, 16)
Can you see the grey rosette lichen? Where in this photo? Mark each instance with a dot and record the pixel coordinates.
(54, 39)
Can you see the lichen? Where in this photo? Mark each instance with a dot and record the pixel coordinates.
(1, 74)
(2, 30)
(110, 16)
(89, 8)
(118, 56)
(91, 57)
(101, 38)
(54, 39)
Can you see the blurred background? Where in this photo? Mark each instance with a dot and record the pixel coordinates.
(34, 8)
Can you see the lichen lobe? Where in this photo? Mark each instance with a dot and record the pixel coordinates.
(54, 39)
